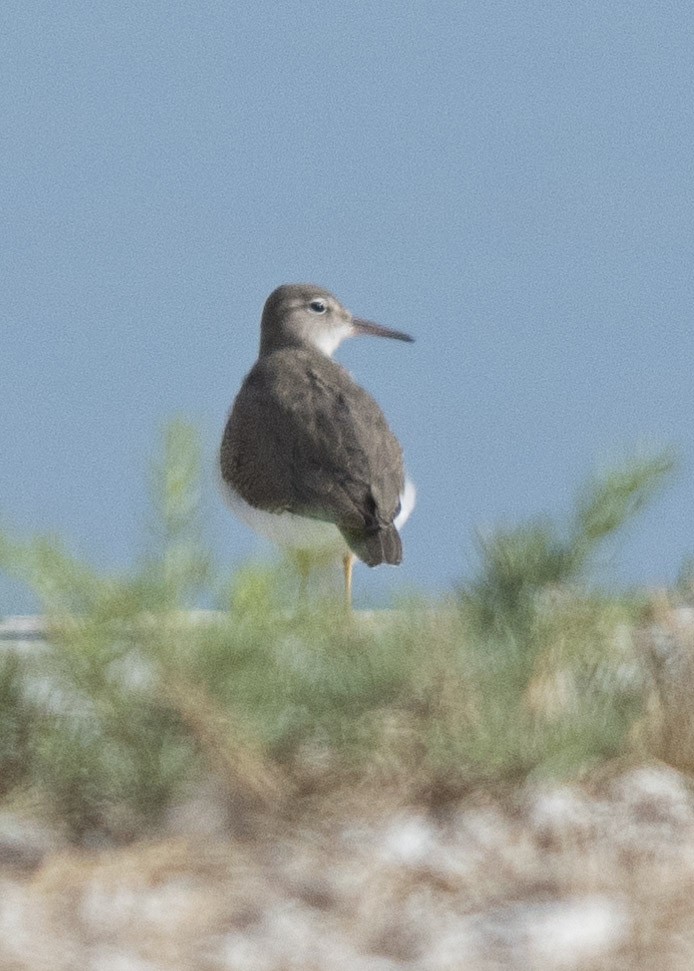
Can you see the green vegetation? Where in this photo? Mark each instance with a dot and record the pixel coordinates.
(138, 701)
(519, 565)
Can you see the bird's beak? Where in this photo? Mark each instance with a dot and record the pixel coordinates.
(361, 326)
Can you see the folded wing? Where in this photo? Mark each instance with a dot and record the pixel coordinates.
(303, 437)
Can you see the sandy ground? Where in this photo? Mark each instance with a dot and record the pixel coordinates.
(539, 877)
(546, 878)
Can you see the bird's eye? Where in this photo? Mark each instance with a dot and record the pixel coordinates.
(317, 306)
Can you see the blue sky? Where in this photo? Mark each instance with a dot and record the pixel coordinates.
(509, 182)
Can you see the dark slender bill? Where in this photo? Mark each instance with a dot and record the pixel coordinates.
(303, 437)
(362, 326)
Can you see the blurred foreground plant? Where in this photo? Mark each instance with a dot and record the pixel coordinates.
(563, 685)
(139, 701)
(100, 740)
(519, 566)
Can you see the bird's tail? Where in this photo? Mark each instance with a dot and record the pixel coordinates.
(379, 546)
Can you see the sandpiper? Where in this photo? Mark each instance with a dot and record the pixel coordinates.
(307, 458)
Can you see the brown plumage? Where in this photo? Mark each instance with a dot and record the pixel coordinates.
(304, 438)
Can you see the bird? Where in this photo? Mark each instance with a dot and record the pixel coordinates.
(307, 458)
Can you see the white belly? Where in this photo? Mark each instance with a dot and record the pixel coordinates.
(292, 532)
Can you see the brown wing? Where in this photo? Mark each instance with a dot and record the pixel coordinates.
(303, 437)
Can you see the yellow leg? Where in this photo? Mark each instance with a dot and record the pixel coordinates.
(348, 563)
(304, 567)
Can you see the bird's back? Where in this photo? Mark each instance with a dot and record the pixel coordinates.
(303, 437)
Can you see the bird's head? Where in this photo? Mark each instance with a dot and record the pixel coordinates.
(298, 314)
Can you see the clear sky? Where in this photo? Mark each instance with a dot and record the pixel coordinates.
(511, 182)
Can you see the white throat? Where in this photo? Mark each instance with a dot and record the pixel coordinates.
(328, 341)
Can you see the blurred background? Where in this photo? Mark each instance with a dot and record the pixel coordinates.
(510, 183)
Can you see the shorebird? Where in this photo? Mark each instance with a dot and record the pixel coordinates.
(307, 459)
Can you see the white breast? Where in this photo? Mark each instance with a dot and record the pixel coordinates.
(292, 532)
(408, 498)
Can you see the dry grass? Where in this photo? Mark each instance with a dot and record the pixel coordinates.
(543, 877)
(486, 782)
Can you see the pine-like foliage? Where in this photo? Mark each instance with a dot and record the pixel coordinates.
(140, 700)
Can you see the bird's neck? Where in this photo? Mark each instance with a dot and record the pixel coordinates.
(324, 344)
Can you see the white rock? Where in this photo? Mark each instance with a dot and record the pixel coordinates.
(571, 933)
(656, 791)
(560, 811)
(409, 840)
